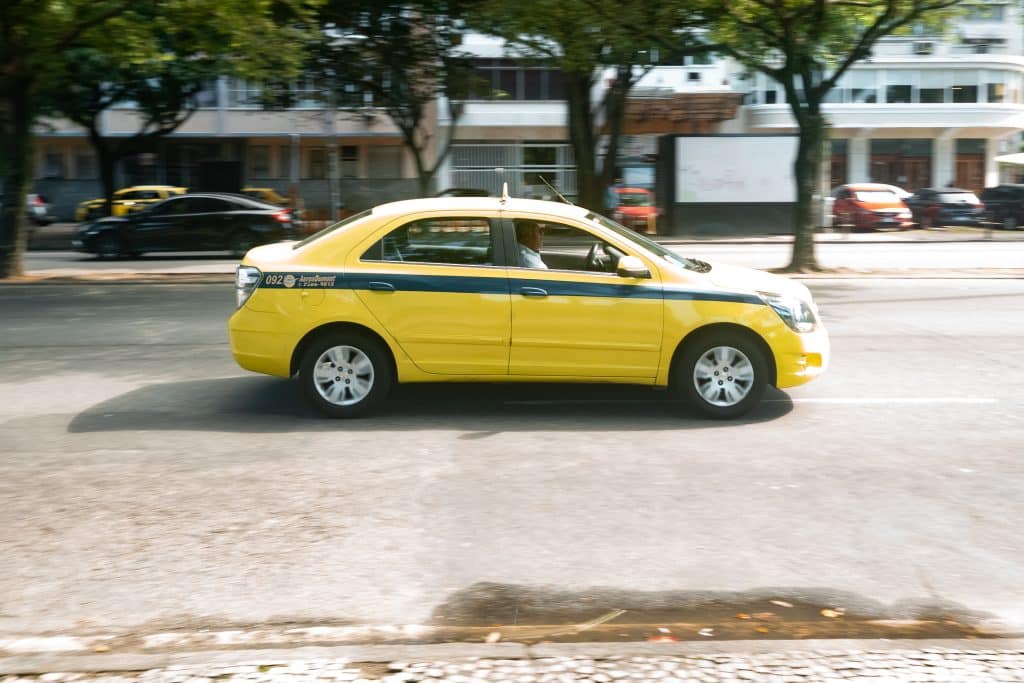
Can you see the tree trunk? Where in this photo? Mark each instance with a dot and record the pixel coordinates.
(806, 169)
(583, 139)
(614, 116)
(106, 158)
(16, 144)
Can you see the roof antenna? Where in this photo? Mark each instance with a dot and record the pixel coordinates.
(560, 195)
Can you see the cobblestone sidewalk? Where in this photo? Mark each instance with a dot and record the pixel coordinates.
(941, 665)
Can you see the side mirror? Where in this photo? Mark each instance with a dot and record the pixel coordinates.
(631, 266)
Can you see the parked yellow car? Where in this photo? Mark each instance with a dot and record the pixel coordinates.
(127, 200)
(495, 289)
(266, 194)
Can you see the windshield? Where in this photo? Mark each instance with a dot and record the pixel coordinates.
(958, 198)
(877, 196)
(635, 199)
(331, 228)
(648, 244)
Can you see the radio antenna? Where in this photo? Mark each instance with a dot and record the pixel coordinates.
(550, 187)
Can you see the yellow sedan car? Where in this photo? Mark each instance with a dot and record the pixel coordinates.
(495, 289)
(127, 200)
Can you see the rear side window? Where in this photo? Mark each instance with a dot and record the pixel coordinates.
(958, 198)
(451, 241)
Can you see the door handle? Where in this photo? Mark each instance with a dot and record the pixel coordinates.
(533, 291)
(381, 286)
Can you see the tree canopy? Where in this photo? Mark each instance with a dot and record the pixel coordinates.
(807, 46)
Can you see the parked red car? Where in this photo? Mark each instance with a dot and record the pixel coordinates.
(636, 209)
(870, 206)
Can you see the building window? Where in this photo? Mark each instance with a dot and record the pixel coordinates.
(242, 93)
(317, 169)
(984, 12)
(508, 79)
(862, 86)
(53, 165)
(349, 161)
(384, 161)
(259, 161)
(898, 94)
(85, 165)
(207, 97)
(965, 94)
(771, 96)
(995, 85)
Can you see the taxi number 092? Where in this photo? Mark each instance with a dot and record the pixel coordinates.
(273, 279)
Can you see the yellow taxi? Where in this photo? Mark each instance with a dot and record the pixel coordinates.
(266, 194)
(501, 289)
(127, 200)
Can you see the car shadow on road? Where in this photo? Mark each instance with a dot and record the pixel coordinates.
(271, 405)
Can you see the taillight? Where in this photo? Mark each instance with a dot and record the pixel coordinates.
(283, 216)
(246, 280)
(38, 200)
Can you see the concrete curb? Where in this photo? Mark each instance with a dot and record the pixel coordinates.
(39, 664)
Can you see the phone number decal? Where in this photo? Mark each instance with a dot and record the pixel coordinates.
(300, 280)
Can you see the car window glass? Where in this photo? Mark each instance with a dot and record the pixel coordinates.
(565, 247)
(208, 205)
(455, 241)
(171, 207)
(958, 198)
(635, 199)
(876, 196)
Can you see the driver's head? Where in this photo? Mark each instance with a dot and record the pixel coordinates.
(530, 233)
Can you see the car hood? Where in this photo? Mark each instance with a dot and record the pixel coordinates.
(737, 278)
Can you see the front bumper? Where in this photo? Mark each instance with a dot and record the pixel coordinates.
(801, 357)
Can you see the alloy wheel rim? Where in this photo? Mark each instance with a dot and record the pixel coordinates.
(723, 376)
(343, 375)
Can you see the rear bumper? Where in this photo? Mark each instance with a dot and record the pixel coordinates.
(259, 344)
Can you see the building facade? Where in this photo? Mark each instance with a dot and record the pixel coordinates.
(924, 110)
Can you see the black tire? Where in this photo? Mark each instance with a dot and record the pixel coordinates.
(699, 363)
(359, 360)
(1010, 222)
(109, 246)
(240, 242)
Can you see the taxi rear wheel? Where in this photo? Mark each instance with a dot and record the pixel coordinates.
(721, 375)
(345, 374)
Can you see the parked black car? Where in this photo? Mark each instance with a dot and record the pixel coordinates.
(1004, 205)
(935, 206)
(190, 222)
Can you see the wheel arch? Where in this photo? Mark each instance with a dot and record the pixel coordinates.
(728, 328)
(337, 328)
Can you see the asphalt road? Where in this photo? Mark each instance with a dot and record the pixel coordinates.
(857, 254)
(148, 483)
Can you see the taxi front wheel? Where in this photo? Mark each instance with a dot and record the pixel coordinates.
(721, 375)
(345, 375)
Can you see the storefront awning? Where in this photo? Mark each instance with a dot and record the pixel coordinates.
(1017, 159)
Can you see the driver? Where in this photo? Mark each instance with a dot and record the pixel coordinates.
(530, 236)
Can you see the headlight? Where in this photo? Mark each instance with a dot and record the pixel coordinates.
(246, 279)
(797, 314)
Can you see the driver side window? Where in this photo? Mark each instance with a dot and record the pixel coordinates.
(565, 247)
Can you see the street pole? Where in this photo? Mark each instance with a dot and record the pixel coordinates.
(333, 179)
